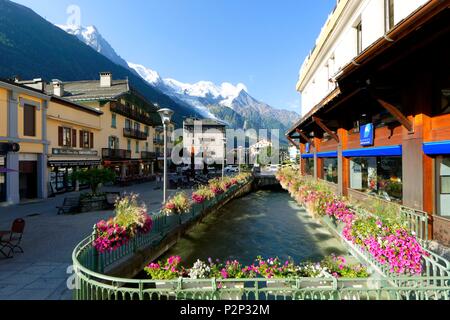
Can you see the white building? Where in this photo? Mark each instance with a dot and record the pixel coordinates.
(351, 28)
(205, 139)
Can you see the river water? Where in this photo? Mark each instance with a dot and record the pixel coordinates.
(266, 223)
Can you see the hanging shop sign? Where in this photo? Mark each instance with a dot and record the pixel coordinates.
(366, 134)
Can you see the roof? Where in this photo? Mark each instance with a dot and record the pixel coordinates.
(91, 90)
(205, 122)
(23, 88)
(75, 105)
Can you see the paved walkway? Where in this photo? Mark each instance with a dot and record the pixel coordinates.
(43, 270)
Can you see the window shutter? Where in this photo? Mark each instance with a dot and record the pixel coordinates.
(60, 136)
(74, 138)
(91, 140)
(81, 139)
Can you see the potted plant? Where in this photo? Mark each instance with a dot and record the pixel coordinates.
(177, 205)
(94, 177)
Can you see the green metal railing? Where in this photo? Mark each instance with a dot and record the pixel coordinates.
(92, 284)
(163, 225)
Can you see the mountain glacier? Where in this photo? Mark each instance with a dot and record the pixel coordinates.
(230, 103)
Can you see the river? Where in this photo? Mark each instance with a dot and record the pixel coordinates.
(266, 223)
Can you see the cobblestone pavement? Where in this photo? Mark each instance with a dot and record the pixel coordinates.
(42, 272)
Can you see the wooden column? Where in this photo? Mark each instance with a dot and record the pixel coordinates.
(316, 159)
(343, 163)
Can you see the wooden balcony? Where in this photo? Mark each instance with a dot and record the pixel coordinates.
(134, 134)
(116, 154)
(129, 112)
(145, 155)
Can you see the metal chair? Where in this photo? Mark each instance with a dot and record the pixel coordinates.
(11, 239)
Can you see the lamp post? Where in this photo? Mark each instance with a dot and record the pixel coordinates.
(224, 140)
(166, 116)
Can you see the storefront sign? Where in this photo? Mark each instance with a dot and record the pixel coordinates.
(72, 152)
(366, 134)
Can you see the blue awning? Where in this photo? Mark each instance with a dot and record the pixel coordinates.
(435, 148)
(307, 156)
(331, 154)
(374, 152)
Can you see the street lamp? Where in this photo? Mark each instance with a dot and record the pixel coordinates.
(224, 140)
(166, 115)
(240, 158)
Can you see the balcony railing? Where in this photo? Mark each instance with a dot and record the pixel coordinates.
(148, 155)
(128, 112)
(158, 141)
(116, 154)
(134, 134)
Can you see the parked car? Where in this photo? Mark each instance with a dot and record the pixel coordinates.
(231, 169)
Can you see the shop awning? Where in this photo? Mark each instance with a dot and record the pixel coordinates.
(374, 152)
(331, 154)
(307, 156)
(435, 148)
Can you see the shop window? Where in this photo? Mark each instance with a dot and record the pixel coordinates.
(113, 120)
(443, 186)
(377, 176)
(330, 170)
(309, 166)
(29, 120)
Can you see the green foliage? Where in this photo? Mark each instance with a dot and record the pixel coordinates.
(94, 177)
(129, 214)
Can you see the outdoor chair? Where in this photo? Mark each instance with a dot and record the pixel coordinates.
(10, 240)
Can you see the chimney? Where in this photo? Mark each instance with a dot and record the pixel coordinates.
(58, 87)
(105, 79)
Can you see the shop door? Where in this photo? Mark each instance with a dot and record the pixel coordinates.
(28, 179)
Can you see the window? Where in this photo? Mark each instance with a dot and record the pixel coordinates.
(330, 169)
(128, 144)
(86, 139)
(113, 142)
(389, 15)
(2, 179)
(67, 137)
(137, 126)
(113, 120)
(127, 124)
(29, 120)
(309, 166)
(146, 130)
(137, 147)
(442, 106)
(443, 186)
(146, 147)
(378, 176)
(359, 38)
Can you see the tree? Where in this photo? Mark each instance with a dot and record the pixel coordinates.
(94, 177)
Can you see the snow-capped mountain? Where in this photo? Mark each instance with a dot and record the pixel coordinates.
(90, 36)
(230, 103)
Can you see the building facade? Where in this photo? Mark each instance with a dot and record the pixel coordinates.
(376, 103)
(127, 123)
(203, 139)
(23, 113)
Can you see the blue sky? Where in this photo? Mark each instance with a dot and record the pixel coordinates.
(261, 43)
